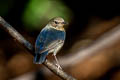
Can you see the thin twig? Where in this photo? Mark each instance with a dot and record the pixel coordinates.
(16, 35)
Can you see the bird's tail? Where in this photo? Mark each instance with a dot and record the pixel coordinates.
(40, 58)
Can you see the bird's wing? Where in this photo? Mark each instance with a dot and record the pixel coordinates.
(39, 44)
(53, 45)
(47, 40)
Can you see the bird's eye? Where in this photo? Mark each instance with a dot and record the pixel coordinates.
(63, 22)
(56, 22)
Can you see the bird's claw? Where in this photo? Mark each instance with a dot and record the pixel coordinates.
(58, 67)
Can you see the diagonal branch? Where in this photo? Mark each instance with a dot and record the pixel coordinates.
(16, 35)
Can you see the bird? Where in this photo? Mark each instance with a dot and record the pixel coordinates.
(50, 40)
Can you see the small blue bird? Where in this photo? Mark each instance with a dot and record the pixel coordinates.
(50, 40)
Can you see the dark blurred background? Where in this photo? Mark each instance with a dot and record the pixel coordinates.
(87, 21)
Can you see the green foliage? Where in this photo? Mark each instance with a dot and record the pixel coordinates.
(38, 12)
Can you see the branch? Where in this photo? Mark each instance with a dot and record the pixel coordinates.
(19, 38)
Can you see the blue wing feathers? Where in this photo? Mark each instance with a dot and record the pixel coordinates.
(40, 58)
(46, 37)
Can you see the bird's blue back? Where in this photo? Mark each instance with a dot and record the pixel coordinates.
(47, 36)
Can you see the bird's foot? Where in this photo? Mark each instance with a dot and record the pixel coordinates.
(58, 67)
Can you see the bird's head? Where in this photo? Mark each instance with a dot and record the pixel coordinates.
(57, 22)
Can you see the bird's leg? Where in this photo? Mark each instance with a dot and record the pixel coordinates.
(58, 65)
(54, 54)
